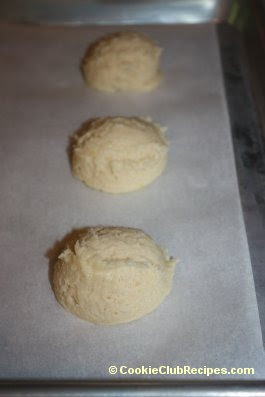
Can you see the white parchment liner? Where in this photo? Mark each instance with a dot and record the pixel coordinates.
(193, 209)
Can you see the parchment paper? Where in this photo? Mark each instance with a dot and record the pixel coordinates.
(193, 209)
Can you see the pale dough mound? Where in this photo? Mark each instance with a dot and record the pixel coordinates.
(112, 275)
(119, 154)
(124, 61)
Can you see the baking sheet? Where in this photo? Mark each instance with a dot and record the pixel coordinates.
(193, 209)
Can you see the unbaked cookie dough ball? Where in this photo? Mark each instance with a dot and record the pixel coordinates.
(119, 154)
(124, 61)
(112, 275)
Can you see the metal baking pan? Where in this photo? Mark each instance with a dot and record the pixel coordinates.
(239, 34)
